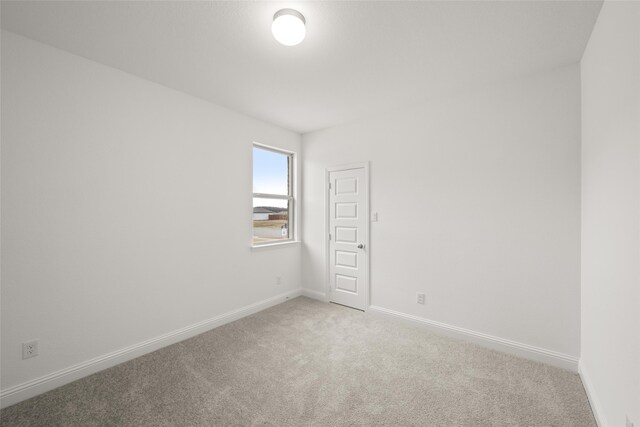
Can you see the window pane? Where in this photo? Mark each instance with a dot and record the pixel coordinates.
(270, 172)
(270, 220)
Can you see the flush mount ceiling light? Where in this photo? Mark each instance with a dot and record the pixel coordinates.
(288, 27)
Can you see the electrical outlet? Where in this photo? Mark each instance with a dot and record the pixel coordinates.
(420, 298)
(29, 349)
(629, 423)
(278, 280)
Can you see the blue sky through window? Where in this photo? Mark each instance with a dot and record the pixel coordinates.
(270, 175)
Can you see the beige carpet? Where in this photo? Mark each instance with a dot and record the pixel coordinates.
(309, 363)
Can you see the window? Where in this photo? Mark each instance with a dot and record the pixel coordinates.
(273, 203)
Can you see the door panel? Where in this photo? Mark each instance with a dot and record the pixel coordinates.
(348, 237)
(346, 210)
(346, 259)
(346, 234)
(346, 284)
(346, 186)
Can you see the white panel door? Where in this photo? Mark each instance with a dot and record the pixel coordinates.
(348, 237)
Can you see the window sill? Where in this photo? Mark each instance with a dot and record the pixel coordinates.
(274, 245)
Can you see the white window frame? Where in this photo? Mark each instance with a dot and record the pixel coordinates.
(290, 196)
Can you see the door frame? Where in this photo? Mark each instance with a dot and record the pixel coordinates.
(327, 244)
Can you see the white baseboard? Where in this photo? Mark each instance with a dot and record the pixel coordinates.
(507, 346)
(315, 295)
(59, 378)
(591, 395)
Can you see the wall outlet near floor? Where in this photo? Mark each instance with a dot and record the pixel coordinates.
(278, 280)
(29, 349)
(629, 422)
(420, 298)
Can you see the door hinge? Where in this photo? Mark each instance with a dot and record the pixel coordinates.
(329, 186)
(329, 236)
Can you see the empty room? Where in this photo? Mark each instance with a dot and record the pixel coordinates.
(320, 213)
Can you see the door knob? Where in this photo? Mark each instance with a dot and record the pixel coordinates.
(360, 246)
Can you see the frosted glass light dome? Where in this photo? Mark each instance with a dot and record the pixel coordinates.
(288, 27)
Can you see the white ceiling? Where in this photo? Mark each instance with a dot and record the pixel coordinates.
(358, 58)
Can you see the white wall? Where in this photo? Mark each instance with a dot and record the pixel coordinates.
(478, 198)
(610, 357)
(126, 210)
